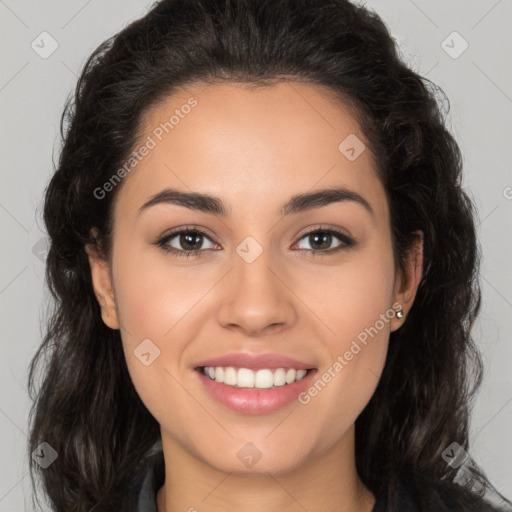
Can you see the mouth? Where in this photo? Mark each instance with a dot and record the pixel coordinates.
(254, 391)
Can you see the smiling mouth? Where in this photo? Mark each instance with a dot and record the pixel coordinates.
(246, 378)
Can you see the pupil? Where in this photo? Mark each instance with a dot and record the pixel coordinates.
(186, 241)
(325, 240)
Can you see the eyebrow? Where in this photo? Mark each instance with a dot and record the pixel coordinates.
(298, 203)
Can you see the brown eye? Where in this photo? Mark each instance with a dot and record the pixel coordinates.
(321, 241)
(186, 242)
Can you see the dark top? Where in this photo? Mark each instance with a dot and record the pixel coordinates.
(440, 496)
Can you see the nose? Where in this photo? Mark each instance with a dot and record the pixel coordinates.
(256, 298)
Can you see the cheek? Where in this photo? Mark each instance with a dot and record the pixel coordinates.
(351, 297)
(153, 296)
(162, 306)
(355, 308)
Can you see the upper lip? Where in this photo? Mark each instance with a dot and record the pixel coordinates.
(255, 362)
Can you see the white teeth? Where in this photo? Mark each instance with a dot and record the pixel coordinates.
(230, 376)
(264, 379)
(279, 377)
(219, 374)
(260, 379)
(300, 374)
(290, 376)
(245, 378)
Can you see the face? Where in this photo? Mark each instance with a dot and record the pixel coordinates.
(255, 273)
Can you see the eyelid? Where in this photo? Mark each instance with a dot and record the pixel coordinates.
(185, 229)
(326, 227)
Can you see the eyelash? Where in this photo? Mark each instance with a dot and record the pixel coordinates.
(346, 242)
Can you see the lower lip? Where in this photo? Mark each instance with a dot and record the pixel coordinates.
(252, 400)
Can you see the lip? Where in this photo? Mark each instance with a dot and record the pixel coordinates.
(256, 362)
(251, 400)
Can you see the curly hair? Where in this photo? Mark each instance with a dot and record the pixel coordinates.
(86, 406)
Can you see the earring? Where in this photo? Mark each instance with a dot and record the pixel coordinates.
(400, 313)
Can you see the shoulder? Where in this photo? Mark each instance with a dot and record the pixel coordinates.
(454, 497)
(149, 479)
(418, 493)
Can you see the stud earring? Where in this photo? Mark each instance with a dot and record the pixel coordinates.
(400, 313)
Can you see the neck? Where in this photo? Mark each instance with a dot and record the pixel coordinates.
(327, 482)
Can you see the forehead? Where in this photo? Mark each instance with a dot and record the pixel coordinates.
(234, 141)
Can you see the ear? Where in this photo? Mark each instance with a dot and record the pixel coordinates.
(407, 282)
(102, 284)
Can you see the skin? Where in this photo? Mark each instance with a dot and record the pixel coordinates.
(254, 149)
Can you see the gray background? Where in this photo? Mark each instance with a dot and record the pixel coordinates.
(33, 89)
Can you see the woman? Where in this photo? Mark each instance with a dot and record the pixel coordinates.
(265, 273)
